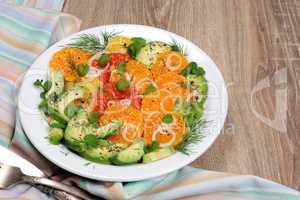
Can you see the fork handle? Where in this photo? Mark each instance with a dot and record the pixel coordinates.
(57, 185)
(57, 194)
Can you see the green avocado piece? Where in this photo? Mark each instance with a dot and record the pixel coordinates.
(74, 93)
(199, 85)
(55, 135)
(57, 86)
(148, 54)
(79, 126)
(158, 154)
(131, 154)
(102, 154)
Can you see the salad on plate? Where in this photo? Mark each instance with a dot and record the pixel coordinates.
(117, 100)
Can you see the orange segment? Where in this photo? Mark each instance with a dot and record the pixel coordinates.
(169, 61)
(140, 75)
(158, 69)
(132, 122)
(174, 83)
(63, 58)
(171, 134)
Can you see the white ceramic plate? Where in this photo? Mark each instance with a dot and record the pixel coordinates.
(36, 127)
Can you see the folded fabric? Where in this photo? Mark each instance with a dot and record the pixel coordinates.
(27, 28)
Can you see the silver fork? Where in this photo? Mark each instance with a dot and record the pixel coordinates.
(10, 176)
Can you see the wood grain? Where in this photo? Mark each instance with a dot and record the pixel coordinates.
(250, 41)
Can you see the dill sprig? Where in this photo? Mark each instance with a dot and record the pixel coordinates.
(92, 43)
(194, 136)
(176, 46)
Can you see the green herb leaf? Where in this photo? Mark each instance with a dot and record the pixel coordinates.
(135, 46)
(122, 67)
(103, 143)
(192, 137)
(122, 85)
(139, 40)
(94, 116)
(193, 68)
(47, 85)
(104, 59)
(149, 89)
(91, 140)
(155, 145)
(38, 83)
(176, 46)
(167, 119)
(58, 125)
(83, 69)
(43, 95)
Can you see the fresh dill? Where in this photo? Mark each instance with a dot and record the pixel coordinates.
(92, 43)
(194, 136)
(176, 46)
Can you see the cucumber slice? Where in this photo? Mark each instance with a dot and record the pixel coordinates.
(130, 155)
(148, 54)
(158, 154)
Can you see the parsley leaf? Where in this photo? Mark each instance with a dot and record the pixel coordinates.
(94, 119)
(91, 140)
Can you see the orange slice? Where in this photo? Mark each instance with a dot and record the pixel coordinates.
(166, 134)
(140, 75)
(174, 83)
(169, 61)
(132, 122)
(64, 60)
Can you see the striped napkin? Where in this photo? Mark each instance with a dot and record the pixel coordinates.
(27, 28)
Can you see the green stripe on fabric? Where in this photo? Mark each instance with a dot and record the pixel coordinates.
(24, 31)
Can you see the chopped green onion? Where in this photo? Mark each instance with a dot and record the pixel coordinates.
(122, 85)
(149, 89)
(103, 60)
(167, 119)
(121, 67)
(83, 69)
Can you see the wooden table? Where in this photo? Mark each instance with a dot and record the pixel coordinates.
(256, 44)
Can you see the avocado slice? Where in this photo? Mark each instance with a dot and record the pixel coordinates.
(57, 86)
(199, 85)
(158, 154)
(131, 154)
(78, 127)
(74, 93)
(148, 54)
(102, 154)
(55, 135)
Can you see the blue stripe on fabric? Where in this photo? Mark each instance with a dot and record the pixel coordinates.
(25, 32)
(18, 54)
(38, 22)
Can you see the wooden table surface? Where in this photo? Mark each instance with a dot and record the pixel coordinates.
(256, 45)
